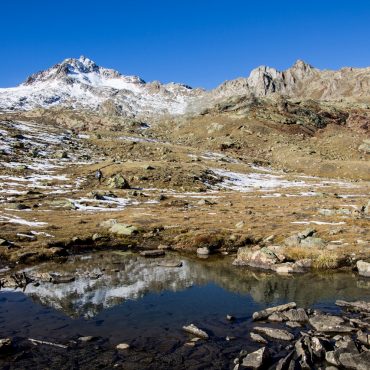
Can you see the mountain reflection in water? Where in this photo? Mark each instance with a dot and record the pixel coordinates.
(104, 280)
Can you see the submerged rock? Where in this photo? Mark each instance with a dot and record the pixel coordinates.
(5, 344)
(192, 329)
(122, 346)
(153, 253)
(258, 338)
(170, 264)
(88, 338)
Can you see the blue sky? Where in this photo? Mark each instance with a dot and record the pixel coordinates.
(201, 43)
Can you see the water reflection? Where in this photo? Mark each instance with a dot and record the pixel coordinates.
(107, 279)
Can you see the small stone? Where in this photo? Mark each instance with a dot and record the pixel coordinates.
(204, 251)
(240, 225)
(108, 223)
(3, 242)
(228, 339)
(97, 237)
(87, 338)
(164, 247)
(5, 343)
(123, 346)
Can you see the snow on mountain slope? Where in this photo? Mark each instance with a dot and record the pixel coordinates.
(81, 84)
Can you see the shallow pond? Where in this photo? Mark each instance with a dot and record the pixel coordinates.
(123, 297)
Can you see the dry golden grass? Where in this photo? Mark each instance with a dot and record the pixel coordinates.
(324, 258)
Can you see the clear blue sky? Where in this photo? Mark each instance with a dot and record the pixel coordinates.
(198, 42)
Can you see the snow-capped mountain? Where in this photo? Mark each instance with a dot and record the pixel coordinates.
(82, 84)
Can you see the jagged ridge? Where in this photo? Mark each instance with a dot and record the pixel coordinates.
(83, 85)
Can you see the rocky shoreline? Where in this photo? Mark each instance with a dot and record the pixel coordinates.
(322, 340)
(289, 337)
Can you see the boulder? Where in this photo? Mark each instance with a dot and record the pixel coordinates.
(263, 258)
(108, 223)
(123, 229)
(357, 306)
(330, 324)
(273, 333)
(306, 233)
(63, 203)
(292, 241)
(261, 315)
(306, 238)
(298, 315)
(118, 182)
(365, 146)
(312, 242)
(363, 338)
(256, 359)
(363, 268)
(350, 360)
